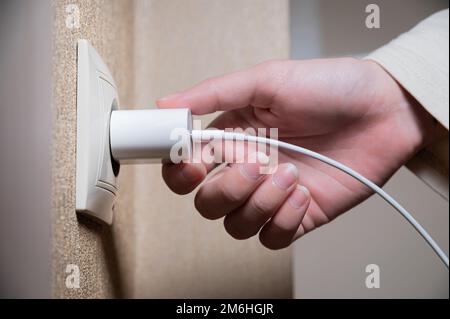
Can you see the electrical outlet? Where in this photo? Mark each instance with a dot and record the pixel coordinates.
(96, 171)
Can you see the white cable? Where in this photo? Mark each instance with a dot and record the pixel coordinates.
(207, 135)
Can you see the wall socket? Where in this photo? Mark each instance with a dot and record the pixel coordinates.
(96, 171)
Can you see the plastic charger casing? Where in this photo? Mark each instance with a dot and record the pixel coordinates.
(144, 135)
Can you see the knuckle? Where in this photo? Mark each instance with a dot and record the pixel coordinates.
(270, 64)
(230, 194)
(272, 75)
(211, 84)
(260, 206)
(273, 67)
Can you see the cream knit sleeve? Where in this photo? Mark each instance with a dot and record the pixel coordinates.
(419, 61)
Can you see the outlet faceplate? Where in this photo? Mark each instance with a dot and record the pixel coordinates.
(96, 172)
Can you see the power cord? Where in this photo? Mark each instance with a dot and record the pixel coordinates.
(207, 135)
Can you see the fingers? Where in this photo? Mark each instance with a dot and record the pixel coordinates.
(273, 205)
(183, 178)
(281, 230)
(247, 220)
(254, 86)
(218, 196)
(314, 218)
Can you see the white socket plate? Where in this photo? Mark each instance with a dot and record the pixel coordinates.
(96, 173)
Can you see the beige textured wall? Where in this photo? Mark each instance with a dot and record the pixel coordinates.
(104, 255)
(159, 246)
(178, 43)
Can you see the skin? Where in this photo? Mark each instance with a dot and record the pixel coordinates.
(348, 109)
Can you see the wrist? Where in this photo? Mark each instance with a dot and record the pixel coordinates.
(417, 128)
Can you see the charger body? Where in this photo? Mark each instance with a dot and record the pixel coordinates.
(150, 134)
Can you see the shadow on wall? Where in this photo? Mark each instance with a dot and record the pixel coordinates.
(109, 247)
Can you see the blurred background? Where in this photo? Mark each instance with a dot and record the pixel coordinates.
(158, 246)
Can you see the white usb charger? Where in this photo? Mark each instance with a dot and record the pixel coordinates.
(142, 135)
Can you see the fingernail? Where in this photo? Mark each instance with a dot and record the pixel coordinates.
(299, 197)
(190, 173)
(285, 176)
(251, 169)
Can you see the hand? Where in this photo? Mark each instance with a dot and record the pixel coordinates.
(350, 110)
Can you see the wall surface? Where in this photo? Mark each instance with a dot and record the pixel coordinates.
(158, 246)
(330, 262)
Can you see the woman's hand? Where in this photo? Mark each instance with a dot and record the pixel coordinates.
(350, 110)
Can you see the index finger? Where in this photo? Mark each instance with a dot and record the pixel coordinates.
(255, 86)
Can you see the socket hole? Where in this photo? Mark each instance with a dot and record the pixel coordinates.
(115, 165)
